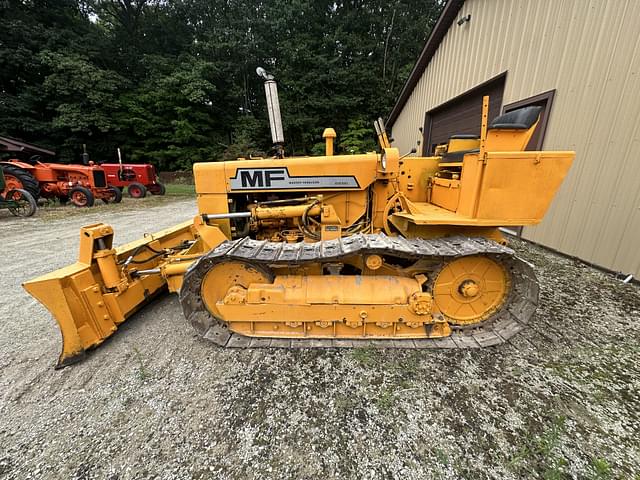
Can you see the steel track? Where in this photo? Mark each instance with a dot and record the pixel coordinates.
(510, 319)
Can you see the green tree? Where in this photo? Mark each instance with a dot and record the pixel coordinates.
(169, 119)
(358, 137)
(173, 81)
(83, 96)
(28, 29)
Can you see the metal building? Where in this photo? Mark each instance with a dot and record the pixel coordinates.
(580, 60)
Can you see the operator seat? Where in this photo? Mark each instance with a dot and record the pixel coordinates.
(520, 119)
(459, 145)
(513, 130)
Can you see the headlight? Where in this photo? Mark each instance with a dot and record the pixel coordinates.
(383, 160)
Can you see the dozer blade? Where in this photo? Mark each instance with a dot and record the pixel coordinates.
(90, 298)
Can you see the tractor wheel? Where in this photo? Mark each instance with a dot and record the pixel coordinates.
(116, 196)
(19, 178)
(157, 189)
(137, 190)
(25, 204)
(81, 197)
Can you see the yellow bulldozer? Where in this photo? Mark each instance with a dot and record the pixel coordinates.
(332, 251)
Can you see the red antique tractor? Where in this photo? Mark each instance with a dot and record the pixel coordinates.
(138, 178)
(80, 184)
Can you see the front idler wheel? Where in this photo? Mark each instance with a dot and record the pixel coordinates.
(206, 283)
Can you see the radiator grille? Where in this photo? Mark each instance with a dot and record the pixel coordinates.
(99, 179)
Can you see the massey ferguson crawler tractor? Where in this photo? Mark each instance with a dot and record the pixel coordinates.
(331, 251)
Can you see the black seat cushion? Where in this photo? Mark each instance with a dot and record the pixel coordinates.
(457, 156)
(464, 137)
(520, 119)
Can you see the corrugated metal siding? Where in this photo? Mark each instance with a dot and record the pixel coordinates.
(589, 51)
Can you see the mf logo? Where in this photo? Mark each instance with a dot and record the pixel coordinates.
(278, 178)
(260, 178)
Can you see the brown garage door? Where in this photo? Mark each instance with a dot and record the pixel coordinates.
(462, 115)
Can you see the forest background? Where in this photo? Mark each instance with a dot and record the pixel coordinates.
(173, 82)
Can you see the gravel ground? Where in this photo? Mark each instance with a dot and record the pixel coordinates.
(559, 401)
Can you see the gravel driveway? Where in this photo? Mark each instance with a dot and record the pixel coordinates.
(560, 401)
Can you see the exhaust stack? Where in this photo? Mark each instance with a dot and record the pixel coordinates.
(273, 108)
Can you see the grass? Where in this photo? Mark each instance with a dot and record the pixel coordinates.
(180, 189)
(142, 371)
(386, 400)
(53, 210)
(601, 469)
(366, 356)
(441, 456)
(543, 450)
